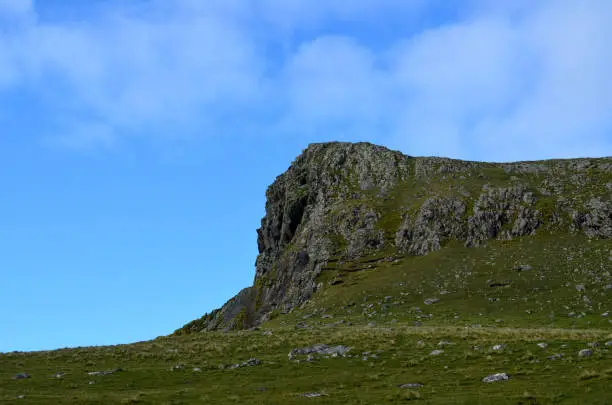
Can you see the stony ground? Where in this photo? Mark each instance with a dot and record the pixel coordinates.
(517, 322)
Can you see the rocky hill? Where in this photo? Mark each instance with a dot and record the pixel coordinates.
(383, 278)
(345, 207)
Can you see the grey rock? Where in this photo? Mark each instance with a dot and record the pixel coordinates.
(542, 345)
(595, 219)
(523, 267)
(438, 220)
(21, 396)
(608, 343)
(411, 385)
(58, 375)
(555, 356)
(496, 377)
(585, 353)
(249, 363)
(21, 376)
(321, 349)
(436, 352)
(312, 394)
(197, 369)
(580, 287)
(593, 344)
(430, 301)
(497, 207)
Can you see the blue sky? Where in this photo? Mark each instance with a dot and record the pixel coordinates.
(138, 137)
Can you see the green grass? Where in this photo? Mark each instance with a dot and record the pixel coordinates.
(533, 308)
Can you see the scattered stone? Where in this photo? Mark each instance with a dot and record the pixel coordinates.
(371, 324)
(579, 287)
(249, 363)
(197, 369)
(21, 376)
(500, 284)
(267, 333)
(608, 287)
(555, 356)
(496, 377)
(92, 382)
(312, 394)
(20, 396)
(411, 385)
(301, 325)
(436, 352)
(58, 375)
(320, 348)
(585, 353)
(499, 348)
(609, 343)
(430, 301)
(605, 314)
(586, 300)
(443, 343)
(116, 370)
(523, 267)
(593, 344)
(542, 345)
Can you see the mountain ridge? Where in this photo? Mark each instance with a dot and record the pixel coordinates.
(339, 202)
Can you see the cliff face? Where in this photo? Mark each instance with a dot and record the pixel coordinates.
(341, 202)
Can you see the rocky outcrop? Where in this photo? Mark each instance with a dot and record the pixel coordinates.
(502, 213)
(438, 220)
(596, 218)
(341, 202)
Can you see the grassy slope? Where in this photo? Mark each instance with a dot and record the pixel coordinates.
(379, 303)
(533, 308)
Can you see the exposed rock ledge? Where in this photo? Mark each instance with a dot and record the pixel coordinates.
(342, 201)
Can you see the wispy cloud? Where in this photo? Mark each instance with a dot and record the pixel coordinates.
(503, 80)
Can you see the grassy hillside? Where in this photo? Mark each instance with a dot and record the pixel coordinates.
(484, 301)
(423, 276)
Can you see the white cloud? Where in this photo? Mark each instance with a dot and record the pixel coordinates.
(503, 80)
(512, 83)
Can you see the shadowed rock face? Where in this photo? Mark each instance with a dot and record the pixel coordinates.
(344, 201)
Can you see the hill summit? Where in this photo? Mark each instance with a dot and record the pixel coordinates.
(344, 207)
